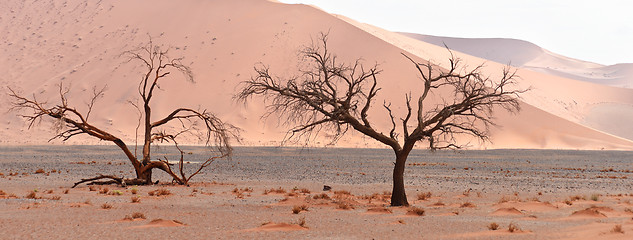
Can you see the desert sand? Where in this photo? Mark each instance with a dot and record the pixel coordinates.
(454, 195)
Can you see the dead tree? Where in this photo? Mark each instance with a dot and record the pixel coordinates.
(333, 97)
(200, 124)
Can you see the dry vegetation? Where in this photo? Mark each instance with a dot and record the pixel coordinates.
(416, 211)
(273, 190)
(297, 209)
(493, 226)
(159, 192)
(513, 227)
(135, 199)
(136, 215)
(424, 195)
(106, 206)
(617, 229)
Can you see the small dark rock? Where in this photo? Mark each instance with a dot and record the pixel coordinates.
(326, 188)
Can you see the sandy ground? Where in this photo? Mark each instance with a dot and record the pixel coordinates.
(43, 206)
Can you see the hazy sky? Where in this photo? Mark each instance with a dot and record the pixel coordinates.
(600, 31)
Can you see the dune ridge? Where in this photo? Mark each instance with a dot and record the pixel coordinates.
(79, 43)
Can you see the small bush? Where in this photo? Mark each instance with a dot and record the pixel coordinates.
(134, 191)
(297, 209)
(273, 190)
(595, 197)
(513, 228)
(617, 229)
(424, 195)
(321, 196)
(32, 195)
(344, 206)
(106, 206)
(416, 210)
(302, 222)
(159, 192)
(493, 226)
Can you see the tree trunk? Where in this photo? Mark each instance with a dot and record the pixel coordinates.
(398, 195)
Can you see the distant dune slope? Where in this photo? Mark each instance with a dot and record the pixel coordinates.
(528, 55)
(79, 43)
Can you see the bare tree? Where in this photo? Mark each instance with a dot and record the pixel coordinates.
(331, 96)
(209, 129)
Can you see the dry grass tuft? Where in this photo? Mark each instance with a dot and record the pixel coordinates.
(32, 195)
(617, 229)
(424, 195)
(416, 210)
(159, 192)
(344, 206)
(321, 196)
(342, 192)
(297, 209)
(136, 199)
(493, 226)
(513, 228)
(273, 190)
(302, 222)
(104, 191)
(467, 205)
(106, 206)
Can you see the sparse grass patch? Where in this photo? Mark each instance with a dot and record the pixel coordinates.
(297, 209)
(416, 211)
(106, 206)
(302, 222)
(159, 192)
(321, 196)
(342, 192)
(273, 190)
(493, 226)
(344, 206)
(424, 195)
(136, 215)
(617, 229)
(513, 227)
(32, 195)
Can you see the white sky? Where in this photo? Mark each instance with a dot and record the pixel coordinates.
(599, 31)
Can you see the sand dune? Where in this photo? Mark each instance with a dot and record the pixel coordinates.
(79, 43)
(528, 55)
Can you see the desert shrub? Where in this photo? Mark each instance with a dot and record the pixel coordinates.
(321, 196)
(595, 197)
(136, 199)
(159, 192)
(106, 206)
(32, 195)
(512, 227)
(424, 195)
(273, 190)
(134, 191)
(297, 209)
(416, 210)
(617, 229)
(493, 226)
(344, 206)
